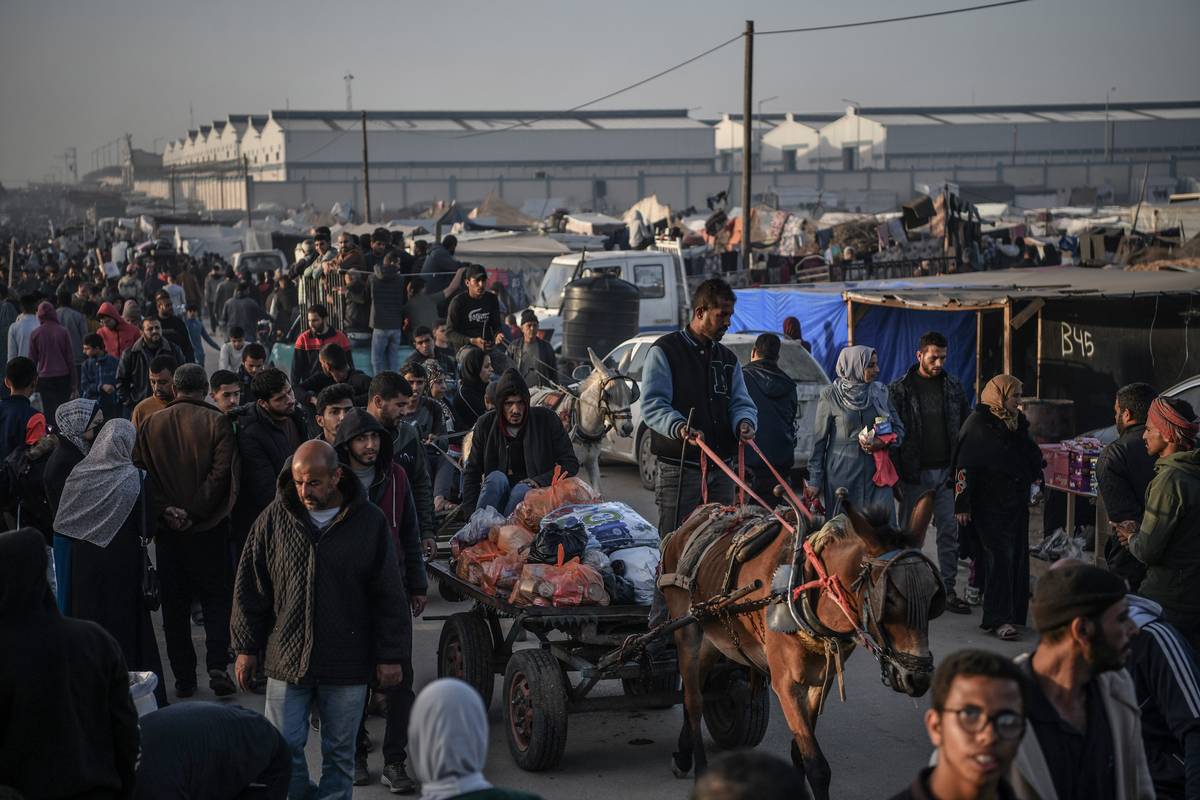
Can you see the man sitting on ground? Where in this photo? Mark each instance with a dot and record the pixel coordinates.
(514, 448)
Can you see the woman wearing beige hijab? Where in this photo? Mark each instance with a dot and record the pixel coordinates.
(995, 462)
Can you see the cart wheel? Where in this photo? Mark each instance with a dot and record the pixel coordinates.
(535, 709)
(736, 710)
(465, 652)
(449, 593)
(668, 682)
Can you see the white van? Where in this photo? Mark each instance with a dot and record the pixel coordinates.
(658, 274)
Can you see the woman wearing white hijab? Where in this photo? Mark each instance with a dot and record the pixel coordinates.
(77, 423)
(101, 508)
(844, 408)
(447, 744)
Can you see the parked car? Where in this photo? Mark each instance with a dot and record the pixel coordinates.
(256, 261)
(630, 356)
(1187, 389)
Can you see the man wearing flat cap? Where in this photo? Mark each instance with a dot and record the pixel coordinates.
(1083, 712)
(532, 355)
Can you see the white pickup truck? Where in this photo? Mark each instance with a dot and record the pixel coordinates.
(658, 274)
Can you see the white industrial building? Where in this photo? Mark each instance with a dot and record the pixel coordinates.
(606, 160)
(420, 156)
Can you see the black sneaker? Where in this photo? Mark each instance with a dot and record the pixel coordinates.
(361, 776)
(396, 779)
(184, 689)
(956, 605)
(220, 682)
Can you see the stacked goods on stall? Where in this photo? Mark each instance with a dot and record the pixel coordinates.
(584, 552)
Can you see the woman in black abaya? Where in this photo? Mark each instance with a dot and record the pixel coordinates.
(103, 508)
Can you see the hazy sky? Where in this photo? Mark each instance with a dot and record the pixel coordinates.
(79, 74)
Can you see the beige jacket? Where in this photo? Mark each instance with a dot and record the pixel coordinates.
(1030, 774)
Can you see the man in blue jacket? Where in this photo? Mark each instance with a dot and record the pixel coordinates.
(774, 394)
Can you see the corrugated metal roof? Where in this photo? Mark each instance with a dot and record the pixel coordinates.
(986, 288)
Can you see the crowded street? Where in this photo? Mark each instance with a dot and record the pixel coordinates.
(562, 405)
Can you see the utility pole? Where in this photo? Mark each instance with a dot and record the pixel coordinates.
(747, 141)
(349, 97)
(366, 168)
(246, 180)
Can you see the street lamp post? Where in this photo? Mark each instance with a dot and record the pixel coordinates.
(1108, 126)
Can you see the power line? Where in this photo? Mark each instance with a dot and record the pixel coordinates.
(865, 23)
(611, 95)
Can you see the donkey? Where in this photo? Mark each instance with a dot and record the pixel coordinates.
(892, 591)
(600, 404)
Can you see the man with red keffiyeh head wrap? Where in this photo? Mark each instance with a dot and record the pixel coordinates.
(1168, 542)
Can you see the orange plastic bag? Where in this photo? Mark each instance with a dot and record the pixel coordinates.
(563, 490)
(511, 538)
(501, 574)
(472, 560)
(570, 584)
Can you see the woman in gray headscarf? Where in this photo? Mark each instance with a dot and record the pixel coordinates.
(103, 510)
(447, 744)
(76, 424)
(842, 456)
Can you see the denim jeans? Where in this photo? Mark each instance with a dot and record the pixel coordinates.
(497, 493)
(677, 496)
(385, 349)
(943, 518)
(341, 709)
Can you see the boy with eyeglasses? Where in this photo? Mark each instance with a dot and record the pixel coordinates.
(976, 723)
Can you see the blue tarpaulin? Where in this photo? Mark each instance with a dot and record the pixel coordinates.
(893, 332)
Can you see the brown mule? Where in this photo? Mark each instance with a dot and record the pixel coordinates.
(893, 591)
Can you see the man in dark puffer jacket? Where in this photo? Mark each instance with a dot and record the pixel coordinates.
(514, 448)
(319, 587)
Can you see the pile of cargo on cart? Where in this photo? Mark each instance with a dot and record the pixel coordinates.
(562, 546)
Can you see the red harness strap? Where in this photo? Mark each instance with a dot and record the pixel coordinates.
(824, 581)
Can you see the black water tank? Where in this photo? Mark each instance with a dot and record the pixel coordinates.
(599, 312)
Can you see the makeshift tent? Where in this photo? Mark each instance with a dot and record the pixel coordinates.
(1052, 327)
(592, 224)
(542, 207)
(893, 332)
(652, 211)
(526, 255)
(493, 212)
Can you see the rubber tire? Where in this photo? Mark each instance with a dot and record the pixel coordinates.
(647, 463)
(733, 724)
(539, 671)
(469, 632)
(659, 683)
(448, 593)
